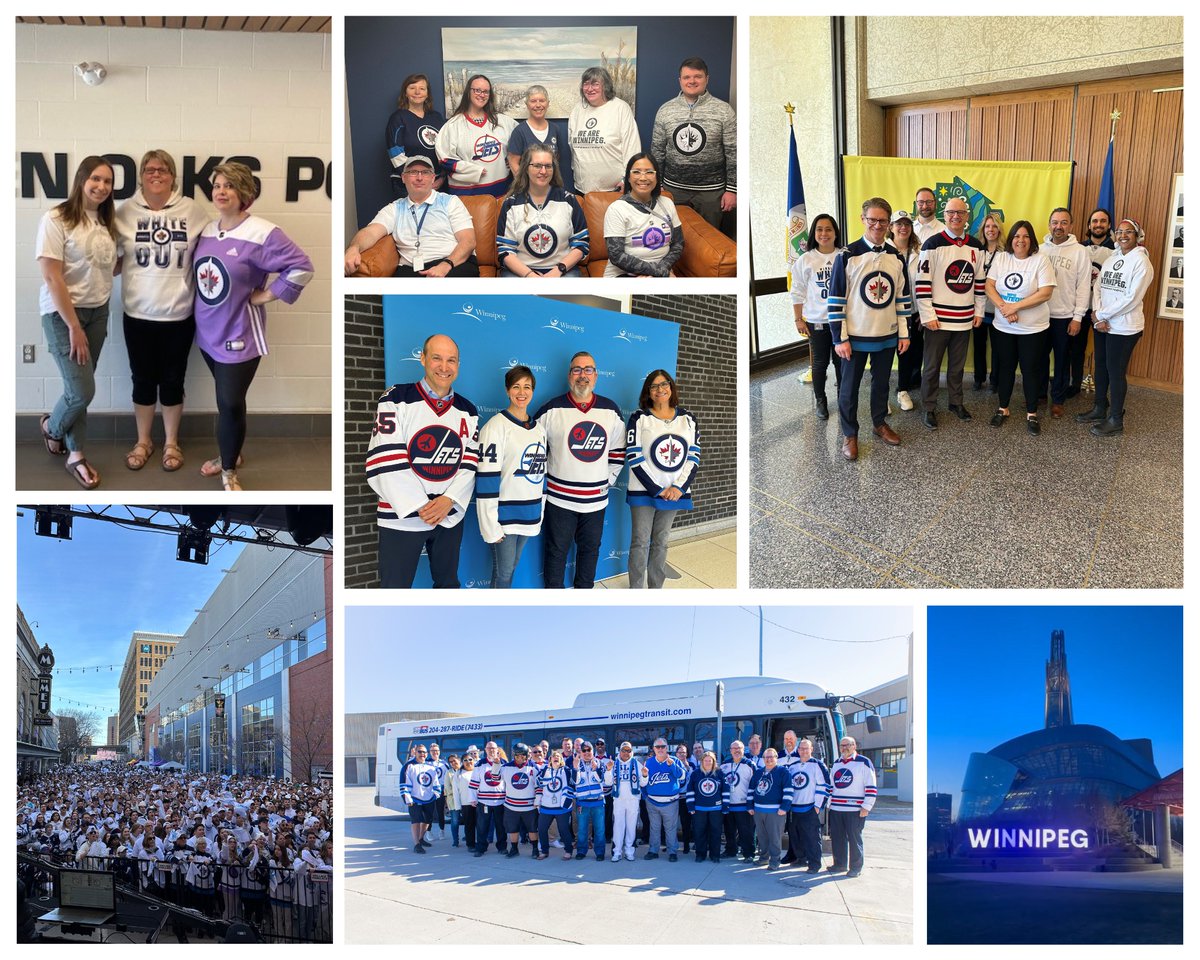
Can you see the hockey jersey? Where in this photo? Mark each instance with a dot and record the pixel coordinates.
(771, 790)
(555, 789)
(487, 785)
(230, 265)
(695, 144)
(510, 485)
(408, 135)
(422, 447)
(950, 286)
(1120, 290)
(474, 154)
(707, 791)
(520, 785)
(541, 236)
(665, 781)
(586, 450)
(591, 783)
(868, 294)
(737, 778)
(811, 274)
(602, 139)
(155, 247)
(1073, 268)
(422, 783)
(661, 454)
(810, 782)
(852, 784)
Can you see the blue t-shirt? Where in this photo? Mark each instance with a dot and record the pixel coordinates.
(556, 139)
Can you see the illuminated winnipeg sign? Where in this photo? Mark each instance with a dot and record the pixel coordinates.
(1048, 839)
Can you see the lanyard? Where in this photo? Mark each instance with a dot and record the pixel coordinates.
(419, 224)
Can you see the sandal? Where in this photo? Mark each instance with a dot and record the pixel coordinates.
(54, 445)
(230, 480)
(82, 477)
(136, 458)
(172, 458)
(211, 468)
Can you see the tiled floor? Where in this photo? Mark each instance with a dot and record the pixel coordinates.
(702, 563)
(966, 505)
(271, 464)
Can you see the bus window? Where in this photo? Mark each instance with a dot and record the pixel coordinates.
(812, 727)
(556, 738)
(456, 744)
(644, 737)
(706, 733)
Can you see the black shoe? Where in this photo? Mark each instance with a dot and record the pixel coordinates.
(536, 852)
(815, 869)
(715, 858)
(514, 852)
(961, 412)
(998, 418)
(1095, 415)
(1109, 427)
(930, 419)
(417, 848)
(822, 408)
(580, 855)
(1032, 425)
(788, 858)
(600, 857)
(673, 858)
(650, 856)
(980, 384)
(700, 859)
(478, 853)
(853, 873)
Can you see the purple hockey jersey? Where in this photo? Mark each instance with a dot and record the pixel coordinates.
(230, 265)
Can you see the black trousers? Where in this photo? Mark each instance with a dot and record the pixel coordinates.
(467, 817)
(845, 834)
(439, 811)
(1112, 364)
(852, 375)
(908, 375)
(233, 383)
(470, 268)
(820, 346)
(400, 552)
(158, 358)
(1027, 349)
(561, 528)
(1077, 352)
(489, 818)
(739, 834)
(1058, 347)
(980, 337)
(706, 833)
(804, 837)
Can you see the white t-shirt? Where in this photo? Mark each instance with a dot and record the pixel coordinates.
(439, 217)
(1017, 279)
(647, 236)
(602, 140)
(88, 253)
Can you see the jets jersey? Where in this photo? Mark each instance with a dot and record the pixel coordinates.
(520, 785)
(555, 789)
(737, 778)
(156, 247)
(1120, 290)
(951, 286)
(591, 784)
(661, 454)
(771, 790)
(408, 135)
(602, 139)
(695, 144)
(475, 154)
(810, 782)
(852, 784)
(541, 236)
(510, 485)
(811, 274)
(421, 784)
(487, 785)
(586, 450)
(868, 294)
(422, 447)
(645, 232)
(707, 791)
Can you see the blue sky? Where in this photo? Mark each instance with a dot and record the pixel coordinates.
(987, 678)
(483, 660)
(86, 596)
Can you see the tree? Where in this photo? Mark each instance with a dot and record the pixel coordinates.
(77, 730)
(308, 740)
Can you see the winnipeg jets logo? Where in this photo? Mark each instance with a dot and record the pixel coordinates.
(653, 238)
(689, 138)
(427, 135)
(708, 787)
(533, 463)
(212, 280)
(878, 290)
(434, 453)
(425, 778)
(1012, 281)
(540, 239)
(842, 778)
(487, 148)
(800, 780)
(587, 441)
(161, 235)
(960, 276)
(669, 452)
(764, 786)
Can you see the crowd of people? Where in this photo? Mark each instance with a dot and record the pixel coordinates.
(928, 290)
(538, 166)
(576, 798)
(239, 849)
(548, 473)
(188, 275)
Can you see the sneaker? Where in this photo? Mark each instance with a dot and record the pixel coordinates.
(558, 844)
(772, 866)
(651, 856)
(905, 400)
(417, 848)
(673, 858)
(629, 857)
(617, 858)
(581, 854)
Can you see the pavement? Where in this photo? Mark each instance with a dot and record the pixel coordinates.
(449, 896)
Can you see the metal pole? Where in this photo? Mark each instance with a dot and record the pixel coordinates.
(760, 641)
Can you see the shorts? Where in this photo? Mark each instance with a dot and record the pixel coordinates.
(523, 822)
(421, 812)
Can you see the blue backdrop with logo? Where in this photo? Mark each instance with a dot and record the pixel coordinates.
(496, 333)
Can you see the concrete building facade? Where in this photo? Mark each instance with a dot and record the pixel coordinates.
(146, 654)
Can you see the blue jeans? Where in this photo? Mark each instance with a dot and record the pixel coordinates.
(594, 816)
(68, 419)
(453, 815)
(505, 556)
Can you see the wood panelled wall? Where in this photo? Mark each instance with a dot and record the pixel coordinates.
(1072, 123)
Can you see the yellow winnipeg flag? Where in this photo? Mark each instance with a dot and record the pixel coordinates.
(1015, 190)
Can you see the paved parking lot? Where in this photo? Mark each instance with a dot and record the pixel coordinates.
(448, 896)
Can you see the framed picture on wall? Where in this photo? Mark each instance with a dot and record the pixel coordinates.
(1171, 292)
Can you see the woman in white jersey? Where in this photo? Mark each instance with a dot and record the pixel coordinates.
(810, 303)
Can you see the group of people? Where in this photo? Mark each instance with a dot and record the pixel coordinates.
(547, 473)
(924, 290)
(239, 848)
(188, 274)
(739, 808)
(538, 167)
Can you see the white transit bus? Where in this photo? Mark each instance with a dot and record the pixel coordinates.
(679, 712)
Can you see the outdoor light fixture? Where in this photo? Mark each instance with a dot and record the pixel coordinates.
(203, 518)
(192, 546)
(308, 523)
(52, 522)
(91, 72)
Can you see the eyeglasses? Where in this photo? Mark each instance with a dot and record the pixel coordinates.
(587, 749)
(592, 83)
(956, 213)
(875, 221)
(647, 172)
(418, 171)
(576, 371)
(541, 166)
(660, 746)
(664, 385)
(481, 89)
(153, 171)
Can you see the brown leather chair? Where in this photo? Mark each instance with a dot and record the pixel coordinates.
(381, 260)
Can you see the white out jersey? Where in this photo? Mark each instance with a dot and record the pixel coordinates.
(510, 486)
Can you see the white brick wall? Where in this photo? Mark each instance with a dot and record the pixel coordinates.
(191, 92)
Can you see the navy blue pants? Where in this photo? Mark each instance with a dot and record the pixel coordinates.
(1112, 364)
(400, 552)
(489, 819)
(852, 375)
(845, 835)
(706, 833)
(804, 837)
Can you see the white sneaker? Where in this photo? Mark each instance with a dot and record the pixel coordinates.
(629, 857)
(616, 858)
(556, 843)
(905, 400)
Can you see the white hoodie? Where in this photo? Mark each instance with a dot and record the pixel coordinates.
(1073, 267)
(1122, 286)
(155, 247)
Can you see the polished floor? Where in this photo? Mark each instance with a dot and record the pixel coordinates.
(967, 505)
(698, 563)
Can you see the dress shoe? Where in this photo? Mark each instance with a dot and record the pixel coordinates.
(850, 448)
(1109, 427)
(887, 435)
(998, 418)
(930, 419)
(822, 408)
(1095, 415)
(1056, 411)
(1032, 425)
(961, 412)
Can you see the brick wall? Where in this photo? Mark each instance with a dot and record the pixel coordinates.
(707, 378)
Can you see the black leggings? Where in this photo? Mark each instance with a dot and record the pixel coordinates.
(158, 357)
(233, 383)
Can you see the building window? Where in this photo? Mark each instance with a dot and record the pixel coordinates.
(890, 757)
(257, 747)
